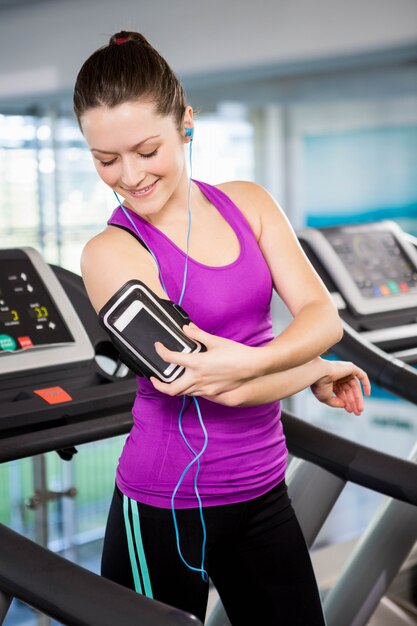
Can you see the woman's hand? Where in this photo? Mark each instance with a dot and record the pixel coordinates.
(341, 386)
(223, 368)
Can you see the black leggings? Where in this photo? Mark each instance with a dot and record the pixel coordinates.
(256, 557)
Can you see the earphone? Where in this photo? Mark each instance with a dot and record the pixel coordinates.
(189, 132)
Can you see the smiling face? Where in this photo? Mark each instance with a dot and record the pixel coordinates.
(139, 154)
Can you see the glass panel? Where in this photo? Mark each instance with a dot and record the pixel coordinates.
(223, 148)
(51, 197)
(362, 175)
(19, 201)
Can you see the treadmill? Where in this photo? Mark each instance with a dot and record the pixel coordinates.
(371, 273)
(59, 372)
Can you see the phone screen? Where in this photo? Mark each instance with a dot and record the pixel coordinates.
(143, 330)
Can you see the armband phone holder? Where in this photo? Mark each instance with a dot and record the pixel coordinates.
(135, 318)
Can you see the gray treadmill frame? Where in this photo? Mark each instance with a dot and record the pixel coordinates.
(385, 544)
(374, 563)
(313, 492)
(79, 350)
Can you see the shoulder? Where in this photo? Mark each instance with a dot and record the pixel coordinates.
(241, 188)
(110, 259)
(254, 201)
(106, 248)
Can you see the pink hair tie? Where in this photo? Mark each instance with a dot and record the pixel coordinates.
(120, 40)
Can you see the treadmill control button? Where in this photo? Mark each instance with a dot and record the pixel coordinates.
(25, 342)
(53, 395)
(7, 343)
(393, 286)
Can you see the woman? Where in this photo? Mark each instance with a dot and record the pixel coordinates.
(200, 487)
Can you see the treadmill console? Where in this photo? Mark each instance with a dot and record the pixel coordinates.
(39, 328)
(372, 265)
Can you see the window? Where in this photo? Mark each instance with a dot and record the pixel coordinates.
(51, 197)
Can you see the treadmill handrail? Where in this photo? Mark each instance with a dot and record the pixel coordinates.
(73, 595)
(351, 461)
(384, 369)
(74, 433)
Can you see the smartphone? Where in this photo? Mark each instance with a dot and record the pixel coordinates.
(137, 318)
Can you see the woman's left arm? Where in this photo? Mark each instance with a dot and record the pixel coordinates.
(339, 384)
(316, 325)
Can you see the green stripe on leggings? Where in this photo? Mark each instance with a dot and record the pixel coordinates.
(130, 545)
(141, 553)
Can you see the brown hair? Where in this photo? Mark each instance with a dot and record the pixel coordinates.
(125, 70)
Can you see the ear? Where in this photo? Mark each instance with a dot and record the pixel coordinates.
(188, 124)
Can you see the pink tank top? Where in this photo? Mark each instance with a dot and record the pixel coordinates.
(246, 452)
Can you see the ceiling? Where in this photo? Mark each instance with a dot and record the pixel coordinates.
(13, 4)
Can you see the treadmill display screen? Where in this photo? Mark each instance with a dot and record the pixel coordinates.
(377, 264)
(28, 315)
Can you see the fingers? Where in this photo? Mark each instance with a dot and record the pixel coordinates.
(341, 392)
(171, 356)
(351, 383)
(354, 392)
(351, 393)
(185, 385)
(192, 331)
(336, 402)
(356, 397)
(363, 377)
(176, 388)
(181, 358)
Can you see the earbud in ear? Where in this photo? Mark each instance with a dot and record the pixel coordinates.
(189, 132)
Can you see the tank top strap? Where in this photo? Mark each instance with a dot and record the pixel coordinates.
(228, 209)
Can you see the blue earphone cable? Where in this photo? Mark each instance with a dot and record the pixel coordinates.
(129, 217)
(142, 238)
(196, 459)
(198, 455)
(184, 280)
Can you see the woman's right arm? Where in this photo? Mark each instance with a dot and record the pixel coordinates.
(110, 259)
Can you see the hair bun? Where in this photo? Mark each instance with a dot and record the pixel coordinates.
(124, 36)
(129, 69)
